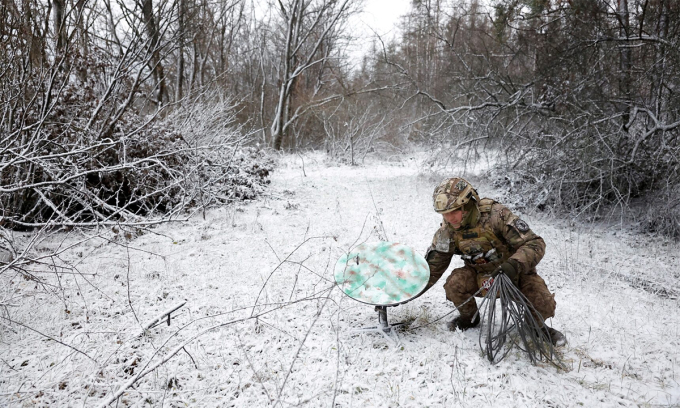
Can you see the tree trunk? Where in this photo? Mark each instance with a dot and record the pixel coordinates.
(284, 89)
(659, 67)
(625, 60)
(154, 36)
(59, 23)
(180, 50)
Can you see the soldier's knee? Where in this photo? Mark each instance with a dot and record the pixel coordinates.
(545, 304)
(460, 281)
(460, 285)
(536, 291)
(454, 285)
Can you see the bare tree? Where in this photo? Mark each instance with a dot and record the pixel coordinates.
(311, 34)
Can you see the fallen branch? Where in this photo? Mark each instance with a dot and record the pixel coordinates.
(49, 337)
(156, 320)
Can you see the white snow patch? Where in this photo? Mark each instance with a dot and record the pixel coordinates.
(301, 350)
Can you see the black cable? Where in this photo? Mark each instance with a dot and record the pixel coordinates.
(516, 326)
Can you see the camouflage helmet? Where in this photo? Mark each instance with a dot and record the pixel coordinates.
(452, 194)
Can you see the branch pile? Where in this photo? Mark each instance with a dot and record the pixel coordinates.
(72, 178)
(76, 157)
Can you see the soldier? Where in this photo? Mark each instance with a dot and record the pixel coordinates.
(490, 240)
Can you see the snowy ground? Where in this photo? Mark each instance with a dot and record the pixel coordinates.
(265, 326)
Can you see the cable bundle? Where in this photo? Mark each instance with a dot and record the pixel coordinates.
(512, 323)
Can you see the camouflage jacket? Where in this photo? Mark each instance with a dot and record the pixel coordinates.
(499, 235)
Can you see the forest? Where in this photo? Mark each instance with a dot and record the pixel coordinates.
(115, 111)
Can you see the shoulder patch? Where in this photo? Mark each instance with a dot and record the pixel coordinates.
(442, 240)
(521, 226)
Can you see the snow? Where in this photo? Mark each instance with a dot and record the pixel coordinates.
(273, 258)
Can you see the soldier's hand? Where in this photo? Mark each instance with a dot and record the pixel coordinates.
(509, 269)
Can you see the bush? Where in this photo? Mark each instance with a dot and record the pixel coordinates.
(67, 175)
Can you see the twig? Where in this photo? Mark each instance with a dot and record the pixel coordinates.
(127, 277)
(252, 367)
(303, 164)
(277, 267)
(148, 368)
(158, 318)
(297, 353)
(377, 214)
(50, 338)
(192, 359)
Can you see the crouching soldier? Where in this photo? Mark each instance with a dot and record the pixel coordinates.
(491, 240)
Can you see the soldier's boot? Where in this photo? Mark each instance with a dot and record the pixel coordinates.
(463, 323)
(556, 337)
(468, 316)
(460, 289)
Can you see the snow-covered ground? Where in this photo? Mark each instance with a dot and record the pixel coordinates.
(264, 324)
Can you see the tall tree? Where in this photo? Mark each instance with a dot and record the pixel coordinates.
(153, 33)
(311, 31)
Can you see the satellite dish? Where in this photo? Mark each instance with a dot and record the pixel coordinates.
(382, 274)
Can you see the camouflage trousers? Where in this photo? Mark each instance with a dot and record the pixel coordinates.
(462, 284)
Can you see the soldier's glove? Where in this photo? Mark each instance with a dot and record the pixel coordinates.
(510, 269)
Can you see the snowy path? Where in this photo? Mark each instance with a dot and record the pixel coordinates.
(624, 344)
